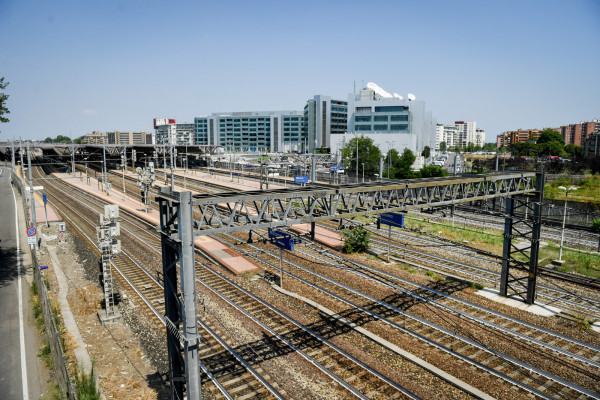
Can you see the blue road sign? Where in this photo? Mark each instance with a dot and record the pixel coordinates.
(301, 179)
(45, 199)
(31, 231)
(393, 219)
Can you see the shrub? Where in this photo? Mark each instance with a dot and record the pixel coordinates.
(357, 240)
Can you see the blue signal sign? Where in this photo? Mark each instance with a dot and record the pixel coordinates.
(301, 179)
(283, 239)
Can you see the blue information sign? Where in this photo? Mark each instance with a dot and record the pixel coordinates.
(301, 179)
(393, 219)
(283, 239)
(45, 199)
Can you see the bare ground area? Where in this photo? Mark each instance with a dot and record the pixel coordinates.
(127, 361)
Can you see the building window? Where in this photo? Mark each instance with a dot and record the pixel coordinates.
(362, 127)
(391, 108)
(399, 127)
(381, 127)
(362, 118)
(380, 118)
(363, 109)
(399, 118)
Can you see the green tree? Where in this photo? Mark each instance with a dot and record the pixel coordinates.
(550, 135)
(405, 162)
(443, 146)
(3, 98)
(62, 139)
(48, 139)
(574, 151)
(429, 171)
(470, 147)
(368, 154)
(426, 152)
(78, 141)
(490, 147)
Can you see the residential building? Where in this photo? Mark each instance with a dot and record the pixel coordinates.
(175, 133)
(95, 137)
(446, 133)
(509, 138)
(591, 147)
(129, 138)
(577, 133)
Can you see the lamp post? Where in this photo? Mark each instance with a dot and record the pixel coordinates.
(562, 235)
(363, 165)
(389, 157)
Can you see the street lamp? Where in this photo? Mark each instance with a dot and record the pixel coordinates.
(363, 164)
(562, 235)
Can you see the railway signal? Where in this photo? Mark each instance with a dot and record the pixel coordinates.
(390, 219)
(146, 179)
(110, 246)
(283, 240)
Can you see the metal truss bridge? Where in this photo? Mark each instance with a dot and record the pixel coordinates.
(235, 211)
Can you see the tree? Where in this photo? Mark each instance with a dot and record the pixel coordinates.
(429, 171)
(3, 97)
(62, 139)
(443, 146)
(48, 139)
(470, 147)
(405, 162)
(490, 147)
(574, 151)
(78, 141)
(426, 152)
(368, 154)
(550, 135)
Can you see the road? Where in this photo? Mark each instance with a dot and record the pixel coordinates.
(19, 377)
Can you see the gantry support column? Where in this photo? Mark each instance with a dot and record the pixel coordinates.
(180, 312)
(519, 275)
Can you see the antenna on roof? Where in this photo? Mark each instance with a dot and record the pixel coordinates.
(411, 97)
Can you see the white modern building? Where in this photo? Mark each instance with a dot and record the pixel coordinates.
(175, 134)
(389, 120)
(460, 134)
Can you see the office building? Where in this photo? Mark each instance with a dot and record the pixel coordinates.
(266, 131)
(324, 117)
(389, 120)
(95, 137)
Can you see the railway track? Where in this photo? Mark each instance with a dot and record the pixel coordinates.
(365, 381)
(464, 348)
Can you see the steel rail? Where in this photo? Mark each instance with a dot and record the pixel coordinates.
(209, 374)
(464, 313)
(311, 333)
(505, 357)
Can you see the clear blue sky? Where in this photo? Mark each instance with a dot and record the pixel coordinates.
(79, 66)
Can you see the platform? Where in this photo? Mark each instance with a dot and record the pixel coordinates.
(222, 254)
(327, 237)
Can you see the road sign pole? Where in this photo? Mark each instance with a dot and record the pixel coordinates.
(281, 267)
(389, 241)
(45, 210)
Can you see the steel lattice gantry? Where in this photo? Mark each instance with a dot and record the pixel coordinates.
(235, 211)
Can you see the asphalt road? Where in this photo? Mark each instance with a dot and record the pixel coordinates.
(19, 378)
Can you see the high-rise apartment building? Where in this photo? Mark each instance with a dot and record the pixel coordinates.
(174, 133)
(509, 138)
(576, 133)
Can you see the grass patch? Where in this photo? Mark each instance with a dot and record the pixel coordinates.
(37, 307)
(85, 385)
(46, 354)
(588, 189)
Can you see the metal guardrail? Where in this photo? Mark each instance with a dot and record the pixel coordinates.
(59, 359)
